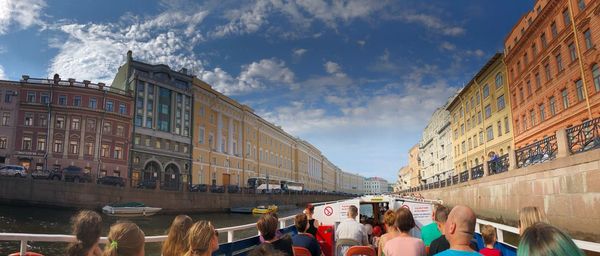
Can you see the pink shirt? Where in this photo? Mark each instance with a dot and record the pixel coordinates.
(404, 246)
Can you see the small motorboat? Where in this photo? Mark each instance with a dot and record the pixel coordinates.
(241, 209)
(131, 209)
(264, 209)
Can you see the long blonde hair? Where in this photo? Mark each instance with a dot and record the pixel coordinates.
(177, 240)
(530, 215)
(124, 239)
(200, 238)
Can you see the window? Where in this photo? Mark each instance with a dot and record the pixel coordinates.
(572, 51)
(524, 122)
(74, 147)
(77, 101)
(93, 104)
(62, 100)
(588, 39)
(517, 125)
(499, 80)
(58, 146)
(91, 125)
(596, 76)
(538, 81)
(565, 98)
(554, 29)
(488, 111)
(7, 96)
(45, 98)
(552, 106)
(518, 69)
(75, 124)
(120, 130)
(28, 119)
(534, 50)
(529, 91)
(158, 144)
(5, 118)
(147, 142)
(532, 116)
(499, 128)
(566, 17)
(490, 133)
(463, 147)
(542, 112)
(105, 152)
(122, 109)
(543, 39)
(118, 154)
(559, 64)
(486, 91)
(506, 125)
(579, 87)
(548, 72)
(211, 141)
(89, 148)
(31, 97)
(109, 106)
(60, 122)
(137, 140)
(3, 142)
(107, 128)
(500, 102)
(27, 145)
(41, 143)
(462, 129)
(201, 135)
(43, 120)
(479, 117)
(470, 144)
(581, 4)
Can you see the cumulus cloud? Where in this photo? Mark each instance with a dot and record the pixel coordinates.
(384, 64)
(2, 74)
(332, 67)
(361, 43)
(447, 46)
(431, 22)
(23, 13)
(299, 52)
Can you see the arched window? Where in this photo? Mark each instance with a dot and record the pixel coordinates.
(596, 75)
(499, 80)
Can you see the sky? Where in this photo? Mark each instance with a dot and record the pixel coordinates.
(359, 79)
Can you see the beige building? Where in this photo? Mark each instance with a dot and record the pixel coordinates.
(435, 148)
(414, 166)
(404, 177)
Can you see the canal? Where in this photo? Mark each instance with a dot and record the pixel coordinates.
(18, 219)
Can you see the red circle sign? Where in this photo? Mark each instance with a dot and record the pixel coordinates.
(328, 211)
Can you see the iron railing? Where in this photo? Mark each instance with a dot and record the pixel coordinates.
(455, 179)
(538, 152)
(498, 165)
(477, 172)
(464, 176)
(584, 137)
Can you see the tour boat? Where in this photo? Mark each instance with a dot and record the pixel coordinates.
(264, 209)
(131, 209)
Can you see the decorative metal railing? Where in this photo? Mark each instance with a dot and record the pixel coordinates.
(436, 184)
(584, 137)
(443, 183)
(477, 172)
(500, 164)
(464, 176)
(537, 152)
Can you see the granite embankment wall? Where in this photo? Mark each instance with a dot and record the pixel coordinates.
(93, 196)
(567, 188)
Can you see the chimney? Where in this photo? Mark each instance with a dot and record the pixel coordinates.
(56, 79)
(25, 78)
(71, 81)
(101, 86)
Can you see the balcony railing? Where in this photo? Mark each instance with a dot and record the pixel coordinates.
(500, 164)
(584, 137)
(477, 172)
(455, 179)
(537, 152)
(464, 176)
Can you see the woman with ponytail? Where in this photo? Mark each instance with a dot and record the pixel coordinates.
(87, 226)
(203, 239)
(125, 239)
(177, 240)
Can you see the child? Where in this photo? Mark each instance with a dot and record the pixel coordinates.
(489, 238)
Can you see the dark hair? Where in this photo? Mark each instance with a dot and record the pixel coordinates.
(87, 226)
(310, 208)
(301, 221)
(404, 219)
(441, 215)
(266, 249)
(267, 225)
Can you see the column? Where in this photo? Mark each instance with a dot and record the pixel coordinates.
(562, 143)
(230, 136)
(219, 131)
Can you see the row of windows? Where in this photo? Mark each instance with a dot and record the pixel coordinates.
(76, 101)
(158, 143)
(75, 124)
(8, 95)
(474, 142)
(472, 122)
(73, 147)
(475, 100)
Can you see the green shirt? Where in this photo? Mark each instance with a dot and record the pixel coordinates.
(429, 233)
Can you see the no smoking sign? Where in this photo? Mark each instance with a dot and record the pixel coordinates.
(328, 211)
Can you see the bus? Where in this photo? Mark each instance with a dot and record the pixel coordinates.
(288, 185)
(260, 183)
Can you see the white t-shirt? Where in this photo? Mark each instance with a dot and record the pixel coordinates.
(351, 229)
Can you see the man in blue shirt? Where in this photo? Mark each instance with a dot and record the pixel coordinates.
(303, 239)
(459, 230)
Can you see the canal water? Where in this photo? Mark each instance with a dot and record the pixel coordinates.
(36, 220)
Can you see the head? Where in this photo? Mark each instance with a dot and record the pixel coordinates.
(377, 231)
(545, 239)
(267, 225)
(352, 212)
(87, 226)
(460, 226)
(389, 220)
(530, 215)
(441, 216)
(125, 239)
(404, 220)
(436, 206)
(301, 222)
(177, 240)
(266, 249)
(310, 209)
(203, 239)
(488, 232)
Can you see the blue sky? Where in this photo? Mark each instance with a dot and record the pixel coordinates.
(359, 79)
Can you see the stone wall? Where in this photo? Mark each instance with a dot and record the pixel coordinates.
(567, 188)
(93, 196)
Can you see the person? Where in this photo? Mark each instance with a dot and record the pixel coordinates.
(312, 222)
(530, 215)
(368, 227)
(351, 229)
(125, 239)
(265, 249)
(177, 238)
(459, 230)
(441, 243)
(430, 231)
(203, 239)
(303, 238)
(494, 160)
(278, 234)
(404, 244)
(267, 225)
(389, 222)
(544, 239)
(488, 232)
(87, 226)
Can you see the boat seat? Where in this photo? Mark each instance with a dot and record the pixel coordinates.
(361, 250)
(301, 251)
(342, 245)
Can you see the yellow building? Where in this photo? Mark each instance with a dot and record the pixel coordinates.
(481, 122)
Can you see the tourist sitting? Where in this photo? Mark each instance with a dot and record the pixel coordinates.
(389, 222)
(488, 233)
(542, 239)
(125, 239)
(441, 243)
(459, 230)
(267, 225)
(404, 244)
(203, 239)
(430, 231)
(265, 249)
(87, 226)
(278, 234)
(177, 239)
(530, 215)
(349, 232)
(312, 222)
(303, 238)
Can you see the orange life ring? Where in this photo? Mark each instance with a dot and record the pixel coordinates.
(26, 254)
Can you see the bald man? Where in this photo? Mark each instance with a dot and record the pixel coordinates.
(459, 230)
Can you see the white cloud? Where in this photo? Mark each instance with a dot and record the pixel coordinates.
(361, 43)
(332, 67)
(447, 46)
(24, 13)
(432, 22)
(477, 53)
(340, 10)
(2, 74)
(247, 19)
(384, 64)
(299, 52)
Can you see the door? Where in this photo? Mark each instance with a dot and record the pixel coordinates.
(226, 180)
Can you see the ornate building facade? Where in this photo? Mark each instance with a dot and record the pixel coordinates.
(435, 148)
(9, 102)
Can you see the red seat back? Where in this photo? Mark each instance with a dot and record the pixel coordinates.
(301, 251)
(361, 250)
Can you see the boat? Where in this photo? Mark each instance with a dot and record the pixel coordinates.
(241, 209)
(261, 209)
(130, 209)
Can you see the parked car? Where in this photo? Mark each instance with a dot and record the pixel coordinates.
(41, 174)
(55, 175)
(199, 188)
(112, 180)
(75, 174)
(147, 184)
(13, 170)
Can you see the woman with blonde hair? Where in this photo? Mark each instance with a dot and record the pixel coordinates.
(177, 239)
(125, 239)
(530, 215)
(542, 239)
(87, 226)
(389, 222)
(203, 239)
